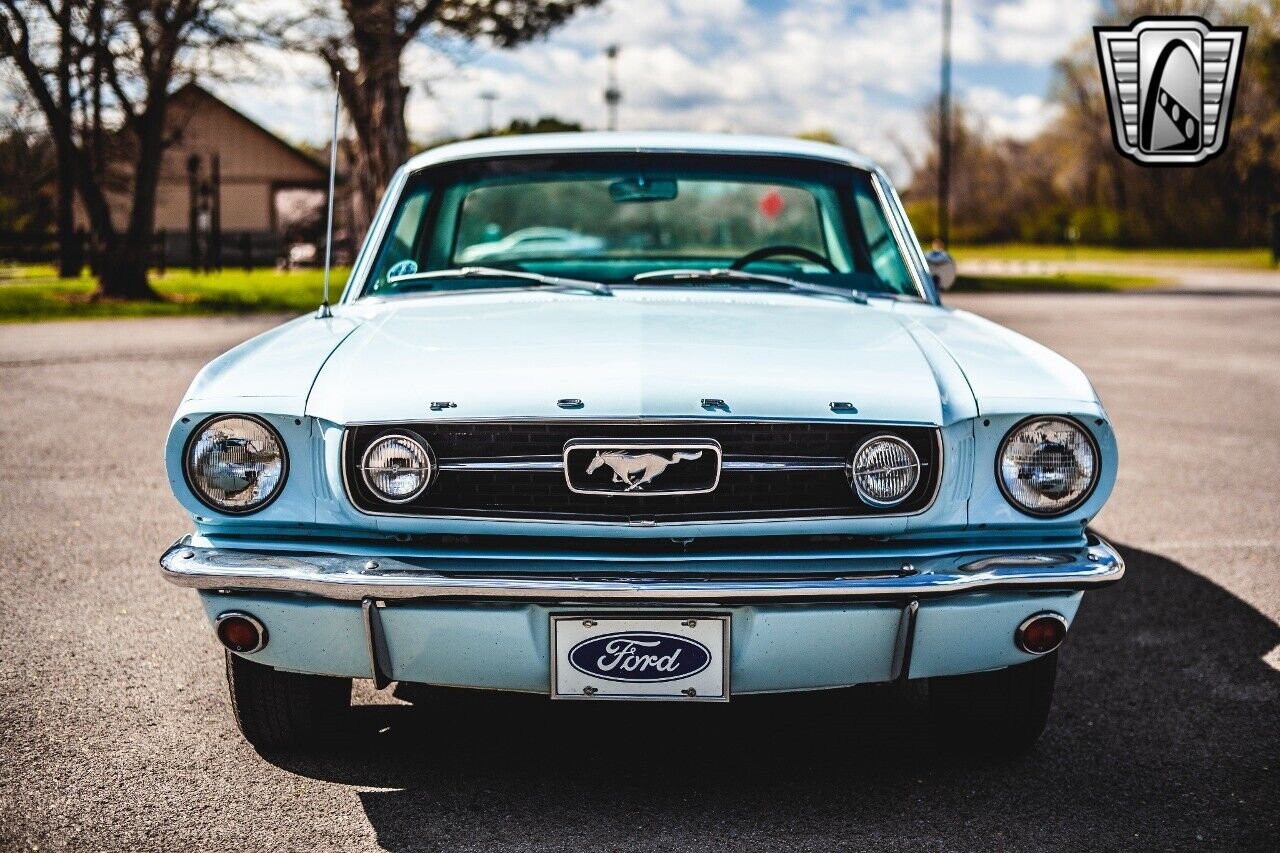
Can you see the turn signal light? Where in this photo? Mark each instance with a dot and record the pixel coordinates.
(1041, 633)
(240, 632)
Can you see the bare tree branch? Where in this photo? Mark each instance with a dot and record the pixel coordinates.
(365, 40)
(419, 19)
(135, 50)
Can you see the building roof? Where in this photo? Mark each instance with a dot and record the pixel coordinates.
(192, 92)
(649, 141)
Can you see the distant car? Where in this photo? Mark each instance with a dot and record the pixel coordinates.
(301, 255)
(533, 243)
(747, 451)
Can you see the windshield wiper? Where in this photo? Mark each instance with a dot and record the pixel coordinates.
(558, 282)
(725, 274)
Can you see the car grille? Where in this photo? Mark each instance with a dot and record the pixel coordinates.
(512, 469)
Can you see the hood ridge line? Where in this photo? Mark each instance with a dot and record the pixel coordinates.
(918, 330)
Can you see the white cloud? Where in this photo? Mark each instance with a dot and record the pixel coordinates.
(1038, 31)
(1020, 117)
(862, 70)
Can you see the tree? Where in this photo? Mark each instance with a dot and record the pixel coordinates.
(819, 134)
(363, 41)
(1221, 202)
(81, 61)
(26, 164)
(543, 124)
(516, 127)
(1071, 175)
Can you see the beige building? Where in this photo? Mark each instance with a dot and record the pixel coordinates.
(232, 184)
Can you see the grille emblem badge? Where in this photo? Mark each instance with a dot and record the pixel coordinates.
(641, 468)
(636, 469)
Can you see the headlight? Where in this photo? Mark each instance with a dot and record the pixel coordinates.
(397, 468)
(1047, 466)
(884, 470)
(236, 463)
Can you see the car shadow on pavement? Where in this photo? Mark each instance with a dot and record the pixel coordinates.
(1163, 735)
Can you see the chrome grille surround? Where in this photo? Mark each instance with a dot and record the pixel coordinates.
(771, 470)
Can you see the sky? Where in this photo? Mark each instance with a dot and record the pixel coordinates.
(862, 69)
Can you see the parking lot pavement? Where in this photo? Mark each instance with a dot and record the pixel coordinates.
(115, 731)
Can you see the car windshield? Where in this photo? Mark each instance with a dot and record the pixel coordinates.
(612, 218)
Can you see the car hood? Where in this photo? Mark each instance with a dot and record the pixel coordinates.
(1006, 372)
(271, 373)
(640, 353)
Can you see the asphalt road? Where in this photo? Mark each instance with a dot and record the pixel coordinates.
(115, 731)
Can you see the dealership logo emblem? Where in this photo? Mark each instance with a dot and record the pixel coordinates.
(1170, 85)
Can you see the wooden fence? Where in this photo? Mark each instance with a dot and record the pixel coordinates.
(235, 249)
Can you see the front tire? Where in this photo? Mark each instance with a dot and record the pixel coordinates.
(278, 710)
(997, 713)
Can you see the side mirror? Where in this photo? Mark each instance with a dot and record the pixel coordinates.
(942, 267)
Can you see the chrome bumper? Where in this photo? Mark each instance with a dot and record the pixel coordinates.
(352, 578)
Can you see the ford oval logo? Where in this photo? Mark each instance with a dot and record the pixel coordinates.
(645, 656)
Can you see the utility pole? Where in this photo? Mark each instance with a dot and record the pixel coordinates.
(944, 131)
(488, 96)
(612, 92)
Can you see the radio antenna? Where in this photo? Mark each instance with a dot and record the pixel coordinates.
(325, 310)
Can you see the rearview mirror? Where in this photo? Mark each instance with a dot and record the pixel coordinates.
(641, 188)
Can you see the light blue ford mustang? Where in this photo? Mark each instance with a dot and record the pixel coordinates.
(700, 428)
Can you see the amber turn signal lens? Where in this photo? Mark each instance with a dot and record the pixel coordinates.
(1042, 633)
(241, 632)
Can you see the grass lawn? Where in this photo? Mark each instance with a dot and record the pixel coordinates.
(1259, 258)
(34, 293)
(31, 293)
(1060, 283)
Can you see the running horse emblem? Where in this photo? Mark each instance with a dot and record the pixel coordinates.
(636, 469)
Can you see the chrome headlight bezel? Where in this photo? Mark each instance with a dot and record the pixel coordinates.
(1080, 499)
(852, 472)
(429, 456)
(206, 499)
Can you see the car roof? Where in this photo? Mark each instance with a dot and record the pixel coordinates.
(643, 142)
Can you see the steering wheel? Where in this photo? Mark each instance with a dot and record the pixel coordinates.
(773, 251)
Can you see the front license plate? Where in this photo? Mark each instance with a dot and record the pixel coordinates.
(683, 658)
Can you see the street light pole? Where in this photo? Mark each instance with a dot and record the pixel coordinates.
(944, 131)
(488, 97)
(613, 92)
